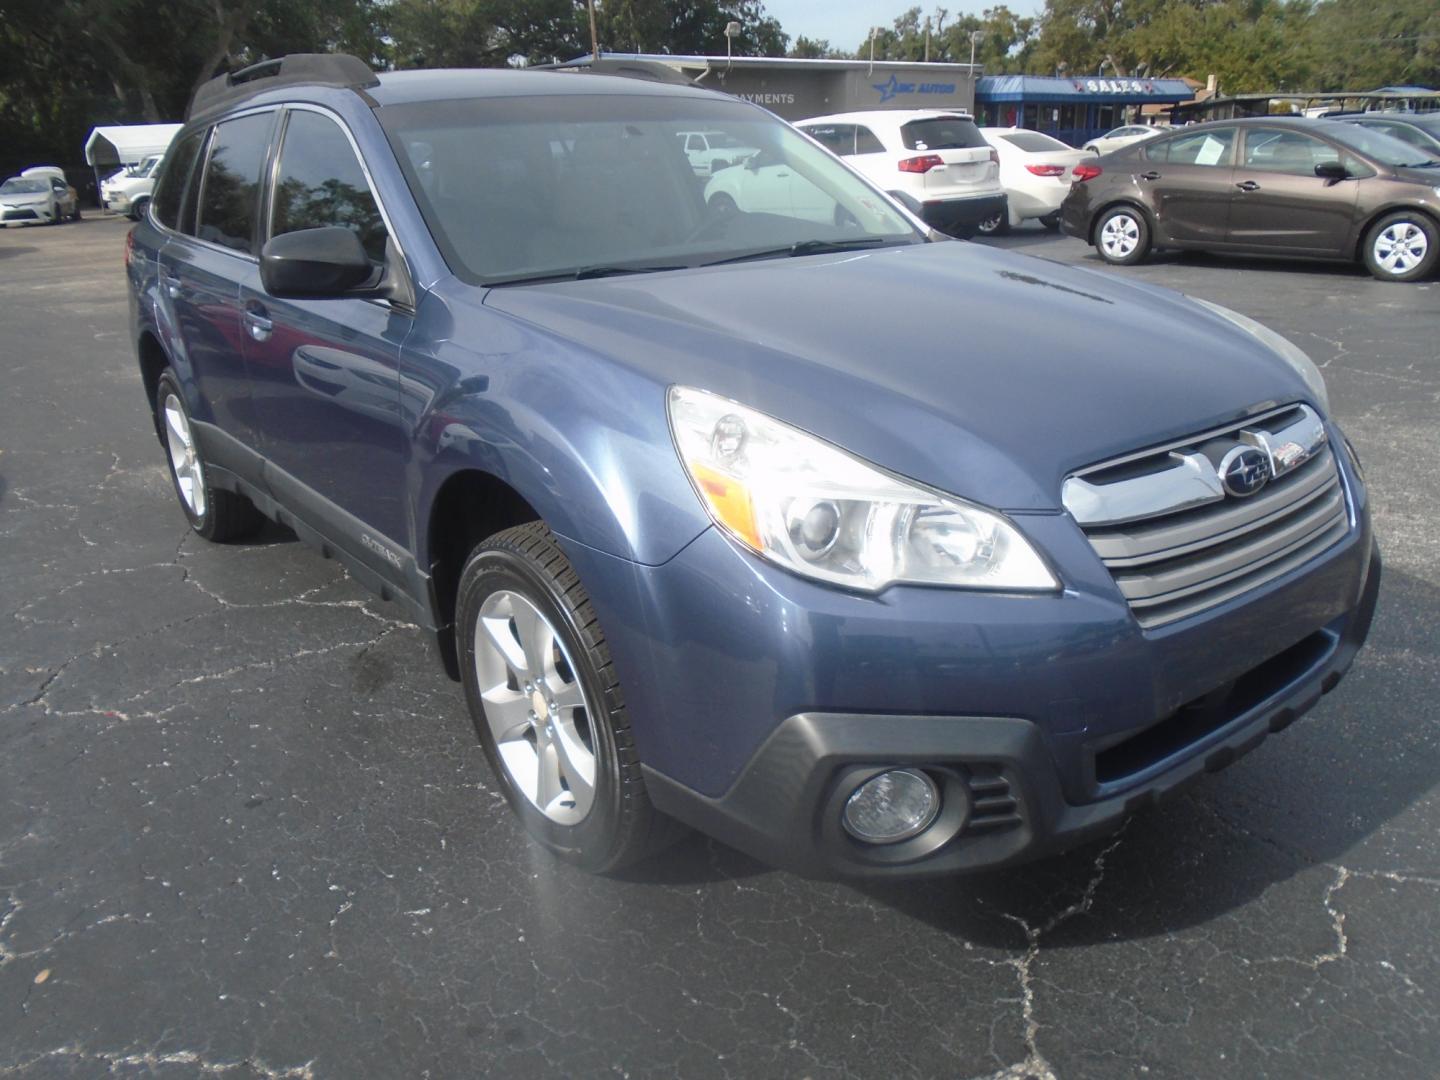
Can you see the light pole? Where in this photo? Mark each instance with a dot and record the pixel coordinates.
(594, 37)
(732, 31)
(975, 36)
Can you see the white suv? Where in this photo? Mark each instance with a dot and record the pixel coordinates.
(938, 161)
(711, 151)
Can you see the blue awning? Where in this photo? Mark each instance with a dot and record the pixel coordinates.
(1081, 88)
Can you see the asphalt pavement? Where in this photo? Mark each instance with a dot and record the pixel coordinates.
(246, 831)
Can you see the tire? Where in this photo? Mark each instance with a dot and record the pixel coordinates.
(1051, 221)
(214, 513)
(721, 205)
(1402, 246)
(137, 209)
(998, 225)
(1122, 236)
(572, 715)
(76, 215)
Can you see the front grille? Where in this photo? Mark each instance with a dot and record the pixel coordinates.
(20, 215)
(1179, 542)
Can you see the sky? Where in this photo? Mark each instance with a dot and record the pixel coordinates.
(846, 23)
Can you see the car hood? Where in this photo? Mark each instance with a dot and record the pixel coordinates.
(980, 372)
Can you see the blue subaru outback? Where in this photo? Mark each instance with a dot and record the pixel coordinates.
(775, 516)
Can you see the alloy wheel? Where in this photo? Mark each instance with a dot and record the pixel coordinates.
(1119, 236)
(536, 708)
(184, 458)
(1400, 247)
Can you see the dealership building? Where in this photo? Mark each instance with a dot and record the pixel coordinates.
(1072, 109)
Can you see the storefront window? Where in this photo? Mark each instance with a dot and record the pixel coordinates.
(1031, 117)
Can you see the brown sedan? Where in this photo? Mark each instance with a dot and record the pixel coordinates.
(1268, 186)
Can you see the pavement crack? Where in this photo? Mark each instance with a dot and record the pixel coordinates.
(152, 1060)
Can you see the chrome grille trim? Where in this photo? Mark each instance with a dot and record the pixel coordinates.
(1173, 553)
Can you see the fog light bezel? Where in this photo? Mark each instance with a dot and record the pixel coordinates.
(948, 824)
(937, 805)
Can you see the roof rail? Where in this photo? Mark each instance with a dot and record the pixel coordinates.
(323, 69)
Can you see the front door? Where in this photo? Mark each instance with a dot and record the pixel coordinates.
(1187, 181)
(1279, 202)
(325, 373)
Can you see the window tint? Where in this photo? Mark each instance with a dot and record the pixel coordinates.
(1286, 152)
(941, 133)
(1032, 142)
(866, 142)
(320, 183)
(232, 181)
(1213, 147)
(837, 138)
(174, 177)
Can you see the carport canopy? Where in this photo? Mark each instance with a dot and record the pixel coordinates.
(128, 144)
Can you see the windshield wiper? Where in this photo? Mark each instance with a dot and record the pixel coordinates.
(586, 272)
(1429, 163)
(806, 247)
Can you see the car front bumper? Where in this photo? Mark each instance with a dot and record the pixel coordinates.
(756, 697)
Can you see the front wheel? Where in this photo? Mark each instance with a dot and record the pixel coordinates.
(1402, 247)
(137, 209)
(1122, 236)
(214, 513)
(546, 704)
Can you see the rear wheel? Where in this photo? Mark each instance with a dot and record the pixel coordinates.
(137, 209)
(1051, 221)
(1122, 236)
(1403, 246)
(547, 706)
(995, 225)
(215, 514)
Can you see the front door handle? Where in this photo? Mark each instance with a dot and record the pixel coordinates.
(173, 288)
(257, 323)
(1248, 185)
(1149, 176)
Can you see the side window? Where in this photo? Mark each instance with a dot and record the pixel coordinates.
(693, 142)
(176, 173)
(1214, 147)
(866, 142)
(228, 196)
(319, 182)
(1291, 152)
(1404, 133)
(839, 139)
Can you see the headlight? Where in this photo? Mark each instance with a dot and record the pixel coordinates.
(1286, 349)
(822, 513)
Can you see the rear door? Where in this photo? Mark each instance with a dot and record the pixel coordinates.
(325, 373)
(1187, 181)
(966, 158)
(1279, 202)
(210, 248)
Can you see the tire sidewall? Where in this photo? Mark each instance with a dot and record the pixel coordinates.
(591, 842)
(1142, 245)
(168, 385)
(1425, 268)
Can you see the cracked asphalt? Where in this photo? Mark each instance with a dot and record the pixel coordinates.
(245, 829)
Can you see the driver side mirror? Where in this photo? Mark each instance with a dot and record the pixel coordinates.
(1332, 171)
(315, 264)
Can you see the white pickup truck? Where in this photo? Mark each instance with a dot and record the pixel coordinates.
(128, 191)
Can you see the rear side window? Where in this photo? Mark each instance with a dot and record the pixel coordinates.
(942, 133)
(174, 177)
(230, 191)
(320, 183)
(1032, 142)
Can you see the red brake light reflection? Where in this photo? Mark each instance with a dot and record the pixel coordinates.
(1085, 171)
(921, 164)
(1046, 170)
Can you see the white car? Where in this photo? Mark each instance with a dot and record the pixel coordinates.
(1035, 172)
(1123, 136)
(38, 196)
(936, 160)
(765, 184)
(711, 151)
(128, 191)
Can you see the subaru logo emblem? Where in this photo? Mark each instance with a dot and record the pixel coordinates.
(1244, 471)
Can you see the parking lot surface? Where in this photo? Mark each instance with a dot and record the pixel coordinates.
(245, 829)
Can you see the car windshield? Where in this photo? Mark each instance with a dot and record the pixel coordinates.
(573, 185)
(1378, 146)
(18, 185)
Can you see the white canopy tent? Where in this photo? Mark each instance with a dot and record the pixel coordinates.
(128, 144)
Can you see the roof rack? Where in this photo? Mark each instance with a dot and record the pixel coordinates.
(323, 69)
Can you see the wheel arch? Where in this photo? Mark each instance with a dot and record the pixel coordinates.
(153, 362)
(1357, 249)
(1134, 204)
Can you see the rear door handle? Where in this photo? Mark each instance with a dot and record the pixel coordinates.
(258, 323)
(1248, 185)
(1149, 176)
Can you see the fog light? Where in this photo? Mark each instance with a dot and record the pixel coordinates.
(891, 807)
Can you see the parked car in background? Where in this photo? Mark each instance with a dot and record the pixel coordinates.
(128, 192)
(1420, 130)
(1124, 136)
(38, 196)
(711, 151)
(864, 551)
(768, 184)
(1268, 185)
(1035, 173)
(938, 159)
